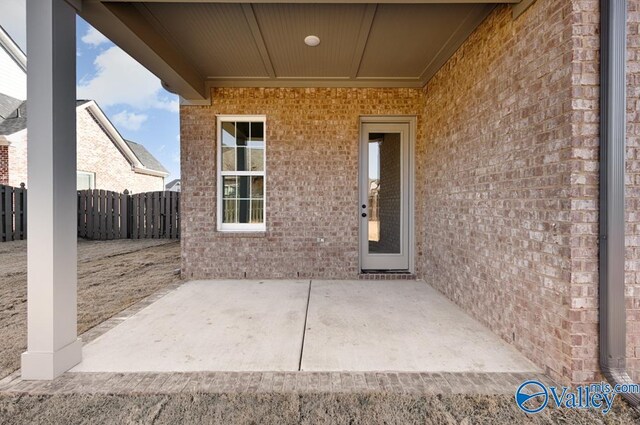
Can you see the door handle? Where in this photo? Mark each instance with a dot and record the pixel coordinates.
(364, 214)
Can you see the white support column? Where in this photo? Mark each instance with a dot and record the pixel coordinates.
(53, 345)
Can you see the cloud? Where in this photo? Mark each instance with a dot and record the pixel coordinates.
(94, 38)
(120, 80)
(13, 18)
(130, 120)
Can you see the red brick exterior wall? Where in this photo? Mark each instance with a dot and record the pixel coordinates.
(4, 165)
(312, 181)
(521, 183)
(497, 234)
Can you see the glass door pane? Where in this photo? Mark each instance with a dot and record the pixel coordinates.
(385, 193)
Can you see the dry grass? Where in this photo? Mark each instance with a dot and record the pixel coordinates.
(289, 408)
(112, 275)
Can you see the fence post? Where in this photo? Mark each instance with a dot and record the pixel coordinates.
(8, 213)
(3, 233)
(125, 215)
(175, 208)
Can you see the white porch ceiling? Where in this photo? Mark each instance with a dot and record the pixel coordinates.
(195, 45)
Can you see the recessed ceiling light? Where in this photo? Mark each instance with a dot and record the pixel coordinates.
(311, 40)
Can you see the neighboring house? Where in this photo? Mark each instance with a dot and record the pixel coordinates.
(105, 160)
(13, 68)
(173, 185)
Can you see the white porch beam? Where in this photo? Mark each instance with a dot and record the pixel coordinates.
(128, 27)
(52, 343)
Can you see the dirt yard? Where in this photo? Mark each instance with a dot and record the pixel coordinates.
(112, 275)
(291, 409)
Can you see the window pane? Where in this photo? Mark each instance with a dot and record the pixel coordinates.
(228, 159)
(229, 211)
(257, 187)
(242, 133)
(257, 159)
(243, 211)
(84, 181)
(242, 151)
(257, 134)
(243, 186)
(242, 159)
(257, 211)
(385, 207)
(230, 187)
(228, 134)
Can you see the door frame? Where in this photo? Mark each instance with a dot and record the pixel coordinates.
(411, 120)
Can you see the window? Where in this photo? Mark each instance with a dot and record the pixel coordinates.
(241, 173)
(85, 180)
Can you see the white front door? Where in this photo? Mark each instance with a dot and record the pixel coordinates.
(384, 196)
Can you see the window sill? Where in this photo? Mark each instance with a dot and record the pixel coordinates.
(241, 234)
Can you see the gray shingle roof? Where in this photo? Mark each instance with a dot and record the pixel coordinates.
(145, 157)
(8, 105)
(13, 114)
(172, 183)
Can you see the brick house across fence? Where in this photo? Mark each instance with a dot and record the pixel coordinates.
(105, 160)
(481, 126)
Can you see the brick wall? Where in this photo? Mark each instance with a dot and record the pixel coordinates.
(98, 154)
(4, 165)
(583, 160)
(145, 183)
(312, 181)
(18, 159)
(496, 234)
(511, 210)
(584, 156)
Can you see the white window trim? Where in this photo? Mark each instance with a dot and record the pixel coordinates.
(90, 174)
(239, 227)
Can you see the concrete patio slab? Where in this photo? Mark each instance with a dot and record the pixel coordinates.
(398, 326)
(258, 326)
(205, 326)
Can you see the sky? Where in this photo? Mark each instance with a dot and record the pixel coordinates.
(129, 94)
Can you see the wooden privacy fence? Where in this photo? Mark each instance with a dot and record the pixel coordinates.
(102, 214)
(155, 215)
(13, 213)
